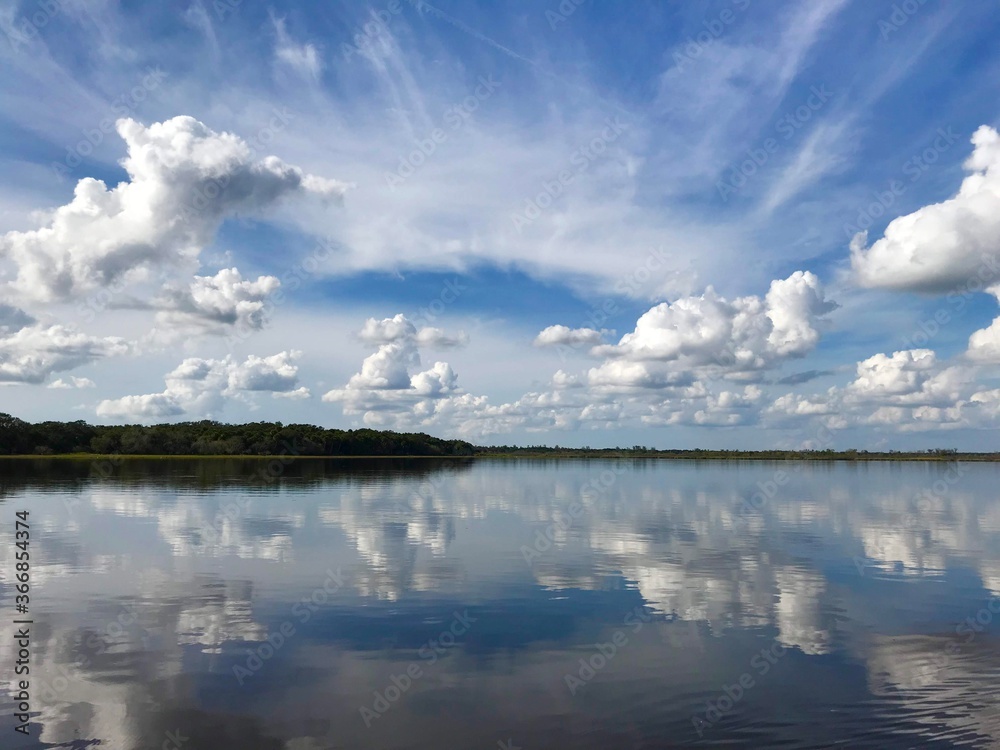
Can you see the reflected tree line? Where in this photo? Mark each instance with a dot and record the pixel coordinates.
(247, 473)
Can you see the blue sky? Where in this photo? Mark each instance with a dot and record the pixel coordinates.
(601, 223)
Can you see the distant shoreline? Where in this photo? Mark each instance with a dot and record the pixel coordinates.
(867, 458)
(211, 440)
(574, 455)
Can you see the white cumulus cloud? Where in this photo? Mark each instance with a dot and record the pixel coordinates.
(384, 391)
(184, 179)
(202, 386)
(32, 352)
(736, 337)
(215, 304)
(944, 245)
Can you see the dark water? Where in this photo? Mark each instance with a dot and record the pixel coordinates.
(488, 604)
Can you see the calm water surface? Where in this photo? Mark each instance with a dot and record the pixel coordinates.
(506, 604)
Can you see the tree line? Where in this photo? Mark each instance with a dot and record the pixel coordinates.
(210, 438)
(207, 437)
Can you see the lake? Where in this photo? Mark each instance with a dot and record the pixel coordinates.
(432, 603)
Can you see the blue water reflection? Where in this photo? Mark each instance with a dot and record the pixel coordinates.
(485, 604)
